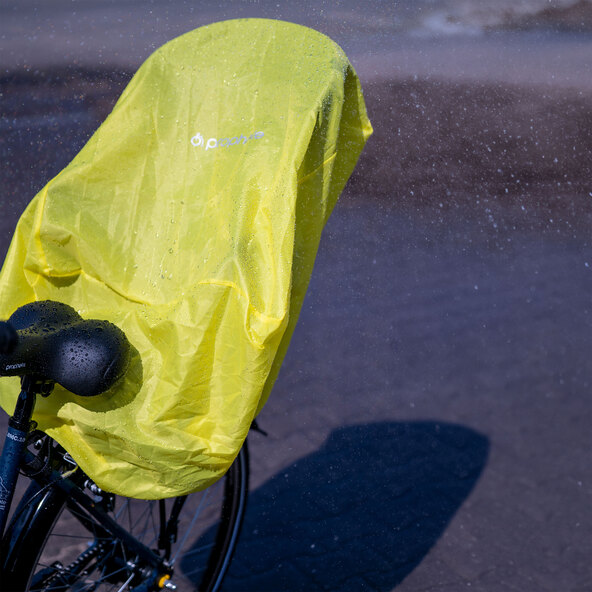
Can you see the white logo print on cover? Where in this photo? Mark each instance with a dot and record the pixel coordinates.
(198, 140)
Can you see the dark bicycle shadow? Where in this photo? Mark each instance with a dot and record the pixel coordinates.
(361, 512)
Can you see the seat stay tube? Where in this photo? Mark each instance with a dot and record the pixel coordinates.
(77, 496)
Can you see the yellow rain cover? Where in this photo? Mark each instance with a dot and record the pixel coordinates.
(191, 219)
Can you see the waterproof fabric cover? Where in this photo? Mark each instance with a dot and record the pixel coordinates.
(191, 220)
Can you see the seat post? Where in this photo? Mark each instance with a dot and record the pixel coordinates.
(19, 426)
(31, 386)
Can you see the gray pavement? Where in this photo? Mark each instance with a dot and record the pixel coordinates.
(430, 428)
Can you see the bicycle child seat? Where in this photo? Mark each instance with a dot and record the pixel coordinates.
(54, 343)
(191, 219)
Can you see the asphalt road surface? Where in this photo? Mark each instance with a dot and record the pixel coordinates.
(430, 428)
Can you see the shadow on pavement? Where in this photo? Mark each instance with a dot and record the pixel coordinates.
(361, 512)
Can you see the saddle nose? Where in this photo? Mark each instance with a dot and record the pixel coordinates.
(8, 337)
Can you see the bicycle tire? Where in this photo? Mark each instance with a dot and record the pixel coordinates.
(46, 514)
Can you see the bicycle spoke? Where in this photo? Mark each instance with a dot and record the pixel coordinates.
(190, 528)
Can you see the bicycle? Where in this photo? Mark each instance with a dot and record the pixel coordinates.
(113, 543)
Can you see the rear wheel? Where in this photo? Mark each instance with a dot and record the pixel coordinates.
(54, 544)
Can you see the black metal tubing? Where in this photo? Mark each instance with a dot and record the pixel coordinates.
(15, 442)
(77, 497)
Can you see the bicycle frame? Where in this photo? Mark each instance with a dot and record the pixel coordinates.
(19, 426)
(15, 454)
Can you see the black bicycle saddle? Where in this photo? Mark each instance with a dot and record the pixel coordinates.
(52, 341)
